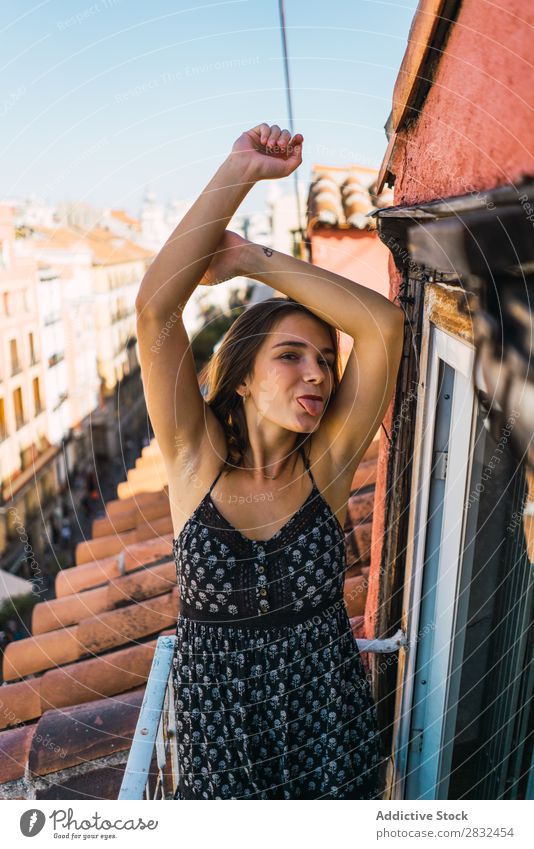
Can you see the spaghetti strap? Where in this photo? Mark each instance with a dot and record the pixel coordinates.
(307, 466)
(304, 459)
(219, 474)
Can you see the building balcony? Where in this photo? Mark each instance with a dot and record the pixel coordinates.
(55, 359)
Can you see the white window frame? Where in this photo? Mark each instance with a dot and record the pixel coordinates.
(434, 749)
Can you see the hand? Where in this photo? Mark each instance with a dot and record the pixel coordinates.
(225, 262)
(266, 152)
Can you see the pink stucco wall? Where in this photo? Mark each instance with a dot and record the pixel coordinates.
(356, 254)
(475, 132)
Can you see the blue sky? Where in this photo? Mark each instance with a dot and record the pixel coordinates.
(100, 100)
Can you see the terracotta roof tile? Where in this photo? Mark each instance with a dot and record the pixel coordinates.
(132, 514)
(92, 635)
(119, 506)
(355, 595)
(365, 474)
(19, 702)
(141, 584)
(101, 571)
(363, 533)
(343, 197)
(61, 612)
(33, 654)
(95, 549)
(360, 505)
(85, 732)
(104, 676)
(59, 238)
(80, 752)
(102, 782)
(83, 681)
(147, 530)
(107, 248)
(146, 483)
(123, 216)
(110, 249)
(14, 749)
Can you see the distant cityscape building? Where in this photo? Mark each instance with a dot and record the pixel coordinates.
(69, 372)
(51, 323)
(154, 228)
(33, 211)
(283, 215)
(28, 468)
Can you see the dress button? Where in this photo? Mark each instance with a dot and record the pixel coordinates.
(263, 591)
(261, 568)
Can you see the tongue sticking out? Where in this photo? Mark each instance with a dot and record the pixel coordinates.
(313, 406)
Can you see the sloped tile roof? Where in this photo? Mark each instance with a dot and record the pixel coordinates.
(92, 635)
(73, 690)
(343, 197)
(107, 248)
(68, 610)
(123, 216)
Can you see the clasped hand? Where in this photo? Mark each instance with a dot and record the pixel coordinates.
(267, 153)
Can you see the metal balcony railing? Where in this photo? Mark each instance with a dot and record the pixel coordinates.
(156, 724)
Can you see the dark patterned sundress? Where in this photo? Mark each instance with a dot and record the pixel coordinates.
(271, 696)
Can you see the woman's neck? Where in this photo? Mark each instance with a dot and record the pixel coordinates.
(270, 471)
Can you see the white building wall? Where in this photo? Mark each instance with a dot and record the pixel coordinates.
(282, 208)
(53, 346)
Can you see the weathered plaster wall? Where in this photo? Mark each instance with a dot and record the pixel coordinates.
(474, 133)
(356, 254)
(475, 130)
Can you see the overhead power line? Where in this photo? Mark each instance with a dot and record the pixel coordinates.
(290, 107)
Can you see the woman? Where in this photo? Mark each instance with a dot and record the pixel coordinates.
(271, 697)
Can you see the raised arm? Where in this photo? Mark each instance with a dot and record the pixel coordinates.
(352, 307)
(375, 324)
(175, 404)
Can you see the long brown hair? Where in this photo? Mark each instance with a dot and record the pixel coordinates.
(234, 360)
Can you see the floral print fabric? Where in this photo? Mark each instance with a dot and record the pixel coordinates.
(271, 697)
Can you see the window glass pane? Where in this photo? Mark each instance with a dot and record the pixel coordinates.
(489, 703)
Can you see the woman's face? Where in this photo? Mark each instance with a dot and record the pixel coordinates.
(295, 359)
